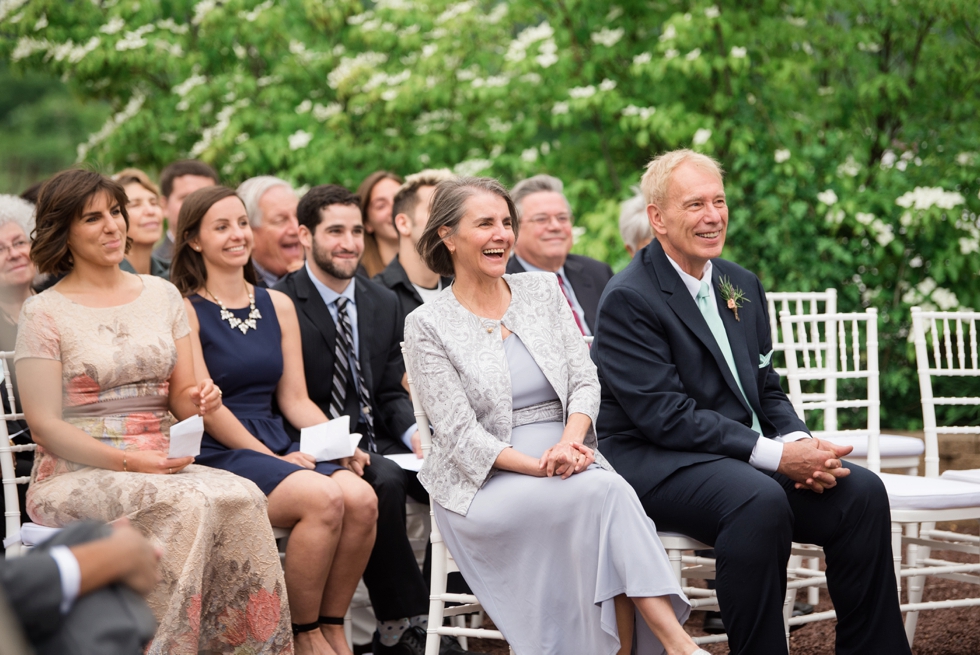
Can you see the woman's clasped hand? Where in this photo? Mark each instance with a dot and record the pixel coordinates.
(565, 458)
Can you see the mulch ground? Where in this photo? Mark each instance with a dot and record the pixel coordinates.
(939, 632)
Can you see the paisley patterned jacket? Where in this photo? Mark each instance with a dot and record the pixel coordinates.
(459, 370)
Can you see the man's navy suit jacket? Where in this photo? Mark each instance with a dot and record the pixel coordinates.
(669, 399)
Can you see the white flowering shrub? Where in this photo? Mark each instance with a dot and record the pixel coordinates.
(848, 128)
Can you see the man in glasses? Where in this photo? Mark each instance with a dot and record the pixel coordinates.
(545, 242)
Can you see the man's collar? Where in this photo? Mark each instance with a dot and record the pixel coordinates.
(531, 268)
(692, 283)
(328, 294)
(270, 279)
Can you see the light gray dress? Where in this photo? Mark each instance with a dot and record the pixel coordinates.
(547, 556)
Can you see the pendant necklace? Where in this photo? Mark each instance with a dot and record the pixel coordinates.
(234, 321)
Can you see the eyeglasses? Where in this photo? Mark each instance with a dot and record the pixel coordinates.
(541, 220)
(19, 244)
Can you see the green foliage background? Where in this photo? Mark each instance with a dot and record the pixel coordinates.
(827, 115)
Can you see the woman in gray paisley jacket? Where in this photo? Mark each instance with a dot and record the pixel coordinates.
(552, 541)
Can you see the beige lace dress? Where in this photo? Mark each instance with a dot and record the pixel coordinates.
(222, 586)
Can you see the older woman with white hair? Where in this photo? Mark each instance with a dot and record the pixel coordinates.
(16, 275)
(270, 203)
(16, 270)
(634, 225)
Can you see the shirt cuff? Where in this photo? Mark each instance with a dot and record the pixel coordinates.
(407, 437)
(71, 575)
(793, 436)
(766, 454)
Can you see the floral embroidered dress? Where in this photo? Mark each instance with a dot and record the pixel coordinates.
(222, 586)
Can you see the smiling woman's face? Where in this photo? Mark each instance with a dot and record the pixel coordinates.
(225, 238)
(145, 215)
(16, 269)
(484, 237)
(98, 235)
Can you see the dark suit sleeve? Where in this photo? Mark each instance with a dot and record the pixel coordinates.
(775, 404)
(638, 365)
(33, 587)
(393, 403)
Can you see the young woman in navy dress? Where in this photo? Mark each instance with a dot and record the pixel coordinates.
(247, 339)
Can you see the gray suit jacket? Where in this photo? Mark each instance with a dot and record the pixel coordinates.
(459, 370)
(113, 620)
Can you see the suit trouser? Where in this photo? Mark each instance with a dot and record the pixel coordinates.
(392, 577)
(751, 517)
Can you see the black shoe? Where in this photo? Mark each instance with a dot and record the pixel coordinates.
(713, 624)
(802, 609)
(412, 642)
(449, 646)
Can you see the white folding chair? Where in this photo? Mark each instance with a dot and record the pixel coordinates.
(914, 500)
(442, 562)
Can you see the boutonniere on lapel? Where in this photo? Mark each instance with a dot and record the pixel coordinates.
(734, 297)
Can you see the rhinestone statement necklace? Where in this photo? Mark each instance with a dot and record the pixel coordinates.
(234, 321)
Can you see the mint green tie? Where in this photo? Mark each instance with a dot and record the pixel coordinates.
(711, 317)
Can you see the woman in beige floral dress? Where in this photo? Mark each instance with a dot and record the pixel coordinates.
(116, 346)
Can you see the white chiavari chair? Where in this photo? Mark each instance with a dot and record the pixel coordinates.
(914, 500)
(21, 536)
(442, 561)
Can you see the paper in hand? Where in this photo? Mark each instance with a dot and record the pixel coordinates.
(185, 437)
(407, 461)
(329, 441)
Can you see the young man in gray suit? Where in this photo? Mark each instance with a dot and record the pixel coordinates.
(692, 415)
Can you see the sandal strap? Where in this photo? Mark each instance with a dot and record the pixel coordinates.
(331, 620)
(305, 627)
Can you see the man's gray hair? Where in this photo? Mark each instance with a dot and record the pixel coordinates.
(537, 184)
(634, 225)
(657, 177)
(251, 192)
(17, 210)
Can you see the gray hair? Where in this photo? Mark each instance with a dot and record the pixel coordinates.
(446, 210)
(634, 225)
(537, 184)
(657, 176)
(251, 192)
(17, 210)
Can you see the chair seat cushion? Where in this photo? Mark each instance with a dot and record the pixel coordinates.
(890, 445)
(32, 534)
(971, 475)
(914, 492)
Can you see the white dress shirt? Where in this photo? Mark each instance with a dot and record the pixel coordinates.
(767, 452)
(330, 298)
(71, 575)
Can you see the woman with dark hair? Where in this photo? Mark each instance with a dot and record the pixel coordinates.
(145, 223)
(248, 338)
(103, 358)
(538, 522)
(377, 195)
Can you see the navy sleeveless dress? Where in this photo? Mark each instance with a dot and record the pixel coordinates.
(247, 368)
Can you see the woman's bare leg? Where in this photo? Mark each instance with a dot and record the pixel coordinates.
(659, 615)
(353, 552)
(313, 506)
(624, 623)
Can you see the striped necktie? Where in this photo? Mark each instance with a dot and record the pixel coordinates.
(343, 357)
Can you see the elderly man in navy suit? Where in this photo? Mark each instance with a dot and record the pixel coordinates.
(693, 416)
